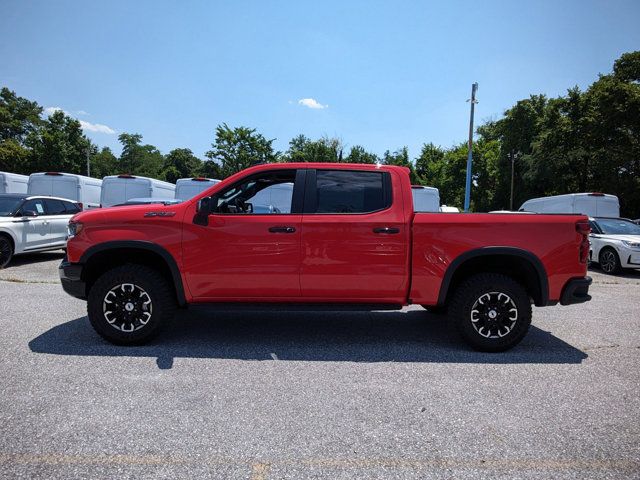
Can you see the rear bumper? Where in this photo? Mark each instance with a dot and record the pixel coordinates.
(576, 291)
(71, 279)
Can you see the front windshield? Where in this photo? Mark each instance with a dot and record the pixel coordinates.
(9, 205)
(617, 226)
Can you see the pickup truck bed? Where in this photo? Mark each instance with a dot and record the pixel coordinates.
(348, 236)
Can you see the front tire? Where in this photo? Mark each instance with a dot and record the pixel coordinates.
(491, 312)
(128, 305)
(609, 261)
(6, 251)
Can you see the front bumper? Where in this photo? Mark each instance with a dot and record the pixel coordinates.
(71, 279)
(576, 291)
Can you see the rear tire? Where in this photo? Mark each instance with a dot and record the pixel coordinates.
(6, 251)
(491, 312)
(128, 305)
(609, 261)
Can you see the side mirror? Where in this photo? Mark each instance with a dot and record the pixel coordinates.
(204, 206)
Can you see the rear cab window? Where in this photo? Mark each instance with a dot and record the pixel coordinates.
(347, 192)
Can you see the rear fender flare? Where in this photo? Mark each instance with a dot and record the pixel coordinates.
(530, 258)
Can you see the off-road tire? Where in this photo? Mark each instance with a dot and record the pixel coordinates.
(147, 284)
(501, 295)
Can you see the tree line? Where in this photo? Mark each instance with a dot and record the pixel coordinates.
(583, 141)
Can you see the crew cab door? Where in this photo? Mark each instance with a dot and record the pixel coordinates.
(355, 239)
(245, 249)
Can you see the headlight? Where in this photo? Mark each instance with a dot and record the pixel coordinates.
(74, 228)
(631, 244)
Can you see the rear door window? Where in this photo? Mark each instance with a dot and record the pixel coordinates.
(54, 207)
(345, 191)
(71, 208)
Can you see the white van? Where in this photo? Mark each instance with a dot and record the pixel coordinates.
(425, 199)
(187, 188)
(80, 189)
(117, 189)
(446, 209)
(13, 183)
(274, 199)
(590, 204)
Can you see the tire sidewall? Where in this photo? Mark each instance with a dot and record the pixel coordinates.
(149, 281)
(476, 287)
(616, 268)
(5, 240)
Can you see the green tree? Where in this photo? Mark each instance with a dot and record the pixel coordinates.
(138, 159)
(180, 163)
(103, 163)
(325, 149)
(400, 158)
(627, 67)
(58, 145)
(358, 154)
(430, 164)
(239, 148)
(14, 157)
(18, 117)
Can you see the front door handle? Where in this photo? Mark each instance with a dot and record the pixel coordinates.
(387, 230)
(282, 229)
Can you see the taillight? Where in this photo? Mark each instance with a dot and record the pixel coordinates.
(583, 228)
(80, 205)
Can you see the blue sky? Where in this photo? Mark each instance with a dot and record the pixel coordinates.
(387, 74)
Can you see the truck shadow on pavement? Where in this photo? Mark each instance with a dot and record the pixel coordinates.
(413, 336)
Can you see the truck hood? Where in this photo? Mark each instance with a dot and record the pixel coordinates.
(122, 213)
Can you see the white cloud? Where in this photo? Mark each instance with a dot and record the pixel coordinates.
(96, 127)
(92, 127)
(311, 103)
(51, 110)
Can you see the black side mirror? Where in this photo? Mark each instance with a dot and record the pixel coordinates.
(203, 209)
(204, 206)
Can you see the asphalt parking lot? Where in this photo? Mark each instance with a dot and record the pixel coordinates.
(268, 395)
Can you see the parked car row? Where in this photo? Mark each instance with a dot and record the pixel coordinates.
(31, 223)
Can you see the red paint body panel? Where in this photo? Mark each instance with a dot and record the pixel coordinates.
(330, 257)
(438, 238)
(236, 256)
(343, 258)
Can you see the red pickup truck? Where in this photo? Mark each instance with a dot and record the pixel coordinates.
(339, 234)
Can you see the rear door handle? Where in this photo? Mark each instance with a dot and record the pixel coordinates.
(282, 229)
(387, 230)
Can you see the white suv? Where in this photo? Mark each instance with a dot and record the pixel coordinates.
(615, 243)
(31, 223)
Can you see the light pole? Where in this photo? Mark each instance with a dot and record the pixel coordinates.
(88, 162)
(512, 156)
(467, 191)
